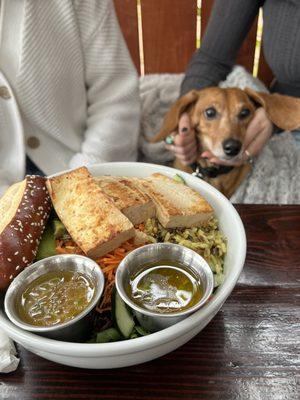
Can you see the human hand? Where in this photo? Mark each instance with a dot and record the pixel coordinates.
(184, 146)
(258, 133)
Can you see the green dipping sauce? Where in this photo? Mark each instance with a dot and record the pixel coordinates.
(55, 298)
(165, 288)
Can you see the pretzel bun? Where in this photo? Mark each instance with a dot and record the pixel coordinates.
(24, 210)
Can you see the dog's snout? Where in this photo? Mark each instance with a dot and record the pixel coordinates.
(232, 147)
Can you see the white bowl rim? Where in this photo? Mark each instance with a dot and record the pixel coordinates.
(94, 350)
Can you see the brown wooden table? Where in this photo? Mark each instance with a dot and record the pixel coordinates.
(250, 350)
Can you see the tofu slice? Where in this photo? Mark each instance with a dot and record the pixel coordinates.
(133, 203)
(91, 218)
(177, 205)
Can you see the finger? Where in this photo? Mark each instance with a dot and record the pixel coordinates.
(258, 123)
(187, 160)
(183, 140)
(192, 147)
(170, 147)
(184, 125)
(170, 138)
(191, 154)
(207, 154)
(258, 143)
(188, 155)
(229, 163)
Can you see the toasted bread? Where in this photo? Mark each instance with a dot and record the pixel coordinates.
(91, 218)
(134, 204)
(177, 205)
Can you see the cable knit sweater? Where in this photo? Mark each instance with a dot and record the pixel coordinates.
(68, 89)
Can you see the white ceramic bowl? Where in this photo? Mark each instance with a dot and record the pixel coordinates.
(136, 351)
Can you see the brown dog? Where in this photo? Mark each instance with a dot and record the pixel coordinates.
(220, 118)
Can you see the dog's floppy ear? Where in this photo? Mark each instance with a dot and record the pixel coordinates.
(283, 111)
(171, 119)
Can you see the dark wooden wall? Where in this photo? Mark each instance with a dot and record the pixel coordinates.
(168, 34)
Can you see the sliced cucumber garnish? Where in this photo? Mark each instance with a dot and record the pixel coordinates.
(47, 244)
(121, 315)
(109, 335)
(141, 331)
(59, 229)
(179, 179)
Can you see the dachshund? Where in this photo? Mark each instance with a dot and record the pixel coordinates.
(220, 118)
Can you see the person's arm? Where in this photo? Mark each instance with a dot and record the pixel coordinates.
(113, 108)
(228, 26)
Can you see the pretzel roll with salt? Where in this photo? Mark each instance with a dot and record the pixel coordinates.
(24, 211)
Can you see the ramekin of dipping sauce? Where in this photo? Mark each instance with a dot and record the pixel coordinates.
(55, 297)
(163, 283)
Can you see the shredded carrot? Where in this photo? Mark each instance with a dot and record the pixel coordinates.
(141, 227)
(108, 263)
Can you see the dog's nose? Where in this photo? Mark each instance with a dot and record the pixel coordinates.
(232, 147)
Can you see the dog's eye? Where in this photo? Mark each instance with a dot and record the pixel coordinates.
(244, 113)
(210, 113)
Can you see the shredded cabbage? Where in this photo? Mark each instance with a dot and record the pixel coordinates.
(206, 240)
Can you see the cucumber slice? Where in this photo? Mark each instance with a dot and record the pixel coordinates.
(109, 335)
(121, 315)
(59, 229)
(47, 244)
(179, 179)
(134, 334)
(141, 331)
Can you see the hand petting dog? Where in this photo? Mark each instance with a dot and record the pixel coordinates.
(184, 146)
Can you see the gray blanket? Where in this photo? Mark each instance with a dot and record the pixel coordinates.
(275, 176)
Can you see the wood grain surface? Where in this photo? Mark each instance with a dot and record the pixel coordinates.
(264, 73)
(169, 34)
(126, 11)
(249, 351)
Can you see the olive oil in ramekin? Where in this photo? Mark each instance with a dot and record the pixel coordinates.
(55, 298)
(165, 287)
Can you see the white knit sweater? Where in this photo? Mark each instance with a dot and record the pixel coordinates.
(67, 67)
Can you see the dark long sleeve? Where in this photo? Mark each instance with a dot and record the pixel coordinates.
(228, 26)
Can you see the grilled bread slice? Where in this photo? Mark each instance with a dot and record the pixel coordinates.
(24, 210)
(177, 205)
(134, 204)
(90, 217)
